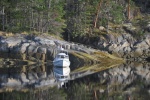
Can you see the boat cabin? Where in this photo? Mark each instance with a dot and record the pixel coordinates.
(62, 55)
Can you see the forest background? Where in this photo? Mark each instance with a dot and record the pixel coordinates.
(70, 17)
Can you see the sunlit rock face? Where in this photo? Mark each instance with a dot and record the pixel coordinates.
(33, 44)
(46, 47)
(128, 47)
(124, 46)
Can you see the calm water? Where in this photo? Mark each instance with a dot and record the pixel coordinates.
(26, 78)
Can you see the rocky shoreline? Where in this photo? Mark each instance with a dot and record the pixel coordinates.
(31, 44)
(129, 48)
(46, 47)
(124, 44)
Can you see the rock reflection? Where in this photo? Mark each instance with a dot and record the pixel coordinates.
(26, 77)
(22, 75)
(129, 81)
(103, 81)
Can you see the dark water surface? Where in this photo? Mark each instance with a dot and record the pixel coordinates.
(27, 78)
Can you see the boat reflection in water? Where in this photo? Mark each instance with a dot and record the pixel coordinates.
(62, 75)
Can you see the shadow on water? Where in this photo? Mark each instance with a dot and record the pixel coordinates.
(148, 59)
(26, 78)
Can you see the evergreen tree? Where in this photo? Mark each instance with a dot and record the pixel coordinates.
(33, 15)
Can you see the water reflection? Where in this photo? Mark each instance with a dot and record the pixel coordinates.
(129, 81)
(39, 80)
(24, 74)
(62, 75)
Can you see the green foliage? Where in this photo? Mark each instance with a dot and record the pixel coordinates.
(103, 22)
(110, 11)
(80, 17)
(117, 13)
(33, 15)
(53, 16)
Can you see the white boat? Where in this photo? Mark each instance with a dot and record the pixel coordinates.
(61, 59)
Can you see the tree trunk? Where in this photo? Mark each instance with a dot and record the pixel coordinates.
(48, 15)
(3, 18)
(128, 9)
(98, 9)
(95, 95)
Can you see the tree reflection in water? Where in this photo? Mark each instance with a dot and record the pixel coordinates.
(49, 94)
(126, 82)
